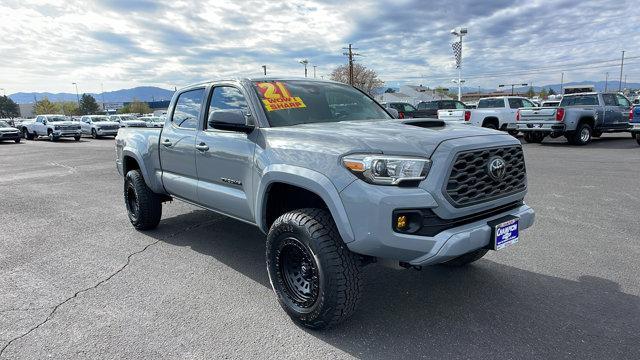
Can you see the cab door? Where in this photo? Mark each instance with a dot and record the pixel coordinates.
(224, 159)
(624, 106)
(177, 145)
(38, 126)
(611, 111)
(85, 125)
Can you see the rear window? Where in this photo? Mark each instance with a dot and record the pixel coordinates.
(578, 100)
(428, 105)
(490, 103)
(293, 102)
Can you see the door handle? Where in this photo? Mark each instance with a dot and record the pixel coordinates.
(166, 142)
(202, 147)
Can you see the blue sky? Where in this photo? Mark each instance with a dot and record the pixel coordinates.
(47, 45)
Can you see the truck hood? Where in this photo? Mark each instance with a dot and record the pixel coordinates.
(106, 123)
(134, 123)
(63, 123)
(409, 137)
(8, 129)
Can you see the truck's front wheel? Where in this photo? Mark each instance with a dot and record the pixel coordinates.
(314, 275)
(144, 207)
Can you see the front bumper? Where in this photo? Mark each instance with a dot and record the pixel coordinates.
(67, 133)
(105, 132)
(548, 128)
(10, 136)
(370, 210)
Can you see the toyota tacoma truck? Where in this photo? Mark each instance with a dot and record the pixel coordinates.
(52, 126)
(333, 181)
(579, 117)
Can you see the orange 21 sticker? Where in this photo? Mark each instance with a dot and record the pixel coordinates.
(276, 96)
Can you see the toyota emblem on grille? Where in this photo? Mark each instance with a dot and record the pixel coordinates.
(496, 168)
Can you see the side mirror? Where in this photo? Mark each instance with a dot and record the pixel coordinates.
(232, 120)
(44, 122)
(393, 112)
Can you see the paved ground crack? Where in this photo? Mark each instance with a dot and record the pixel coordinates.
(56, 307)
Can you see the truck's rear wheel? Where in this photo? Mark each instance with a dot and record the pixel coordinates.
(467, 258)
(144, 207)
(582, 135)
(313, 274)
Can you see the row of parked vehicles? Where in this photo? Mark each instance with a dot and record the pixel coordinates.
(579, 117)
(56, 126)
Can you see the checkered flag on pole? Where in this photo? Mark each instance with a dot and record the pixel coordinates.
(457, 52)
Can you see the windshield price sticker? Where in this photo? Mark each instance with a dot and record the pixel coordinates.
(277, 97)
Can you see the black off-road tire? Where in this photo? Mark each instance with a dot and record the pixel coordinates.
(577, 136)
(76, 138)
(466, 259)
(144, 207)
(27, 135)
(332, 271)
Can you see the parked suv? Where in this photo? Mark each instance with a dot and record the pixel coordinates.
(98, 126)
(332, 179)
(127, 121)
(52, 126)
(430, 108)
(579, 117)
(8, 132)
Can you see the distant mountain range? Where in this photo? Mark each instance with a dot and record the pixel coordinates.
(143, 93)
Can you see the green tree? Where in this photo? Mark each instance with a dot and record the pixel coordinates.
(70, 108)
(88, 105)
(8, 108)
(135, 107)
(442, 92)
(45, 106)
(543, 93)
(552, 92)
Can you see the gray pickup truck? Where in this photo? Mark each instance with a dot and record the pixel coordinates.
(332, 179)
(579, 117)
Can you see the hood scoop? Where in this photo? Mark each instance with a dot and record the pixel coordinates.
(425, 123)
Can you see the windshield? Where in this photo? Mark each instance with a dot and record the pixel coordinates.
(4, 124)
(294, 102)
(490, 103)
(576, 100)
(56, 118)
(127, 117)
(99, 118)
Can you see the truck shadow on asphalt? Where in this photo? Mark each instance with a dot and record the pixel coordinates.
(484, 310)
(616, 143)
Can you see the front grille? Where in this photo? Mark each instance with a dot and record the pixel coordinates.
(108, 127)
(469, 182)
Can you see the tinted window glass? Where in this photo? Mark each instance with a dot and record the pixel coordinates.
(428, 105)
(227, 98)
(609, 99)
(187, 109)
(490, 103)
(293, 102)
(528, 104)
(622, 101)
(408, 107)
(579, 100)
(459, 105)
(515, 103)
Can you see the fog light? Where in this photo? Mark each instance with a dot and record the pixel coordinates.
(401, 222)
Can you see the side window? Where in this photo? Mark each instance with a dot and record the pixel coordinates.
(527, 104)
(622, 101)
(609, 99)
(187, 109)
(408, 107)
(39, 119)
(459, 105)
(228, 98)
(515, 103)
(448, 105)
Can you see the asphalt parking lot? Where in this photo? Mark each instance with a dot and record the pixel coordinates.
(77, 281)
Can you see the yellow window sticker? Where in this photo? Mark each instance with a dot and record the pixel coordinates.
(276, 96)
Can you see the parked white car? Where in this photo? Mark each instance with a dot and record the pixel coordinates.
(153, 121)
(98, 126)
(128, 121)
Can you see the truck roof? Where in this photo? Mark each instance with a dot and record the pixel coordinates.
(260, 78)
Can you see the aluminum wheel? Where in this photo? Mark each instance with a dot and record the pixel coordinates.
(585, 134)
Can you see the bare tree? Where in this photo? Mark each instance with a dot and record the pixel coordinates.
(364, 79)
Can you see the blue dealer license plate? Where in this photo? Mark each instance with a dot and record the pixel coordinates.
(504, 232)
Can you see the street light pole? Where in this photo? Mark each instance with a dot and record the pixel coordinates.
(314, 71)
(606, 82)
(77, 96)
(460, 32)
(304, 62)
(621, 67)
(264, 67)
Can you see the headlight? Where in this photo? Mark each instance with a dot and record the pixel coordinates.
(387, 170)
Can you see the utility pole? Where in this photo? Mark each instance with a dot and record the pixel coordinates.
(350, 54)
(314, 71)
(621, 67)
(104, 107)
(562, 83)
(625, 81)
(606, 81)
(264, 67)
